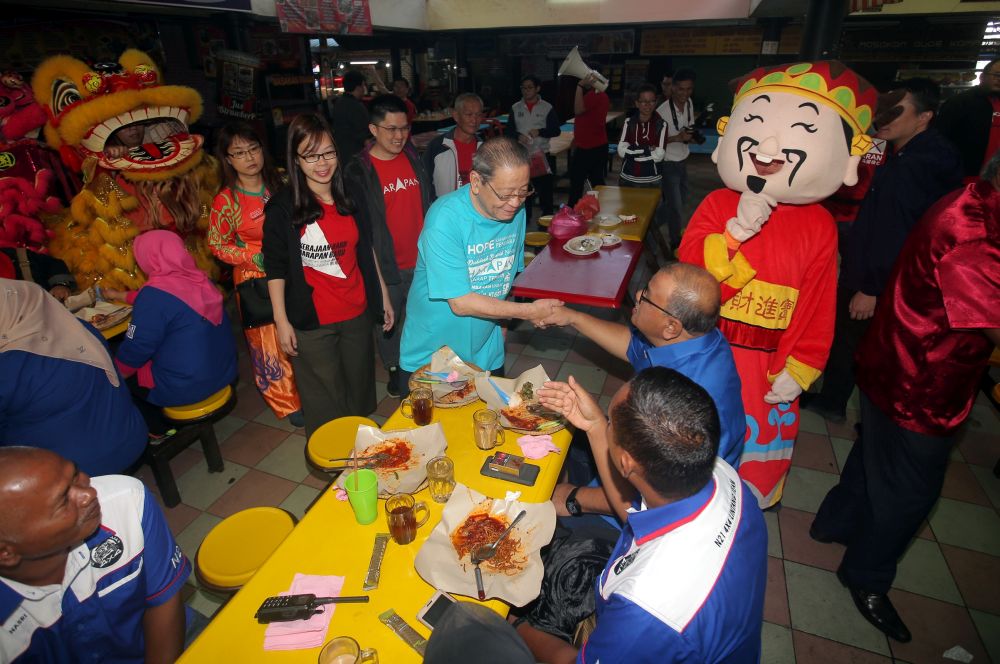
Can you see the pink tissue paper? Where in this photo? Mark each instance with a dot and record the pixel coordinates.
(309, 633)
(535, 447)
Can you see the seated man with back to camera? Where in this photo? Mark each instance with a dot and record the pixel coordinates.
(686, 581)
(88, 567)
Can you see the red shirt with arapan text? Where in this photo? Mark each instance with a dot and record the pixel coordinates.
(328, 248)
(404, 211)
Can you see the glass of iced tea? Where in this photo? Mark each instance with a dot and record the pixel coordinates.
(420, 405)
(441, 478)
(401, 515)
(486, 429)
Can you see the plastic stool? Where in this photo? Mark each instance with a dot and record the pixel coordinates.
(236, 548)
(537, 239)
(193, 422)
(545, 220)
(334, 439)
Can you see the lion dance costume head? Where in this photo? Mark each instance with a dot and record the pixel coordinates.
(128, 133)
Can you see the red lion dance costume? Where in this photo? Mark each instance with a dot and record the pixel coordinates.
(128, 134)
(796, 134)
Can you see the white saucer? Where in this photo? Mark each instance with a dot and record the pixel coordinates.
(583, 245)
(610, 239)
(607, 220)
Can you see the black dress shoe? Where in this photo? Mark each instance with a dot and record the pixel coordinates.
(824, 538)
(879, 611)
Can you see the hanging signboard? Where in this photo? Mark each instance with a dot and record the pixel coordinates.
(337, 17)
(701, 41)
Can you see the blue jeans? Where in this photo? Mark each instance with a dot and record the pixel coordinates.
(675, 194)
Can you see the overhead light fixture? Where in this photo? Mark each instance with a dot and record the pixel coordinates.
(364, 62)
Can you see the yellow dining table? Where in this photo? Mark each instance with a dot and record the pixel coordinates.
(328, 541)
(629, 200)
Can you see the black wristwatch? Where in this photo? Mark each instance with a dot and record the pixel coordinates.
(572, 504)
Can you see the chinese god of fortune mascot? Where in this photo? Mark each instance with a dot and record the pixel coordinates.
(142, 169)
(796, 134)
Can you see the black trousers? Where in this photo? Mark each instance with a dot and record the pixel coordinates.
(544, 187)
(890, 482)
(588, 163)
(838, 377)
(151, 413)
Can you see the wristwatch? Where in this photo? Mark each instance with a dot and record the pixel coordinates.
(572, 504)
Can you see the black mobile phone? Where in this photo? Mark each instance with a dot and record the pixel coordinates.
(527, 475)
(434, 609)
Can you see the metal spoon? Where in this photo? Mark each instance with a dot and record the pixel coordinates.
(487, 551)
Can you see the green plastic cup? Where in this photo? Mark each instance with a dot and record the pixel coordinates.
(362, 491)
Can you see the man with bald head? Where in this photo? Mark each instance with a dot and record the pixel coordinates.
(673, 326)
(87, 566)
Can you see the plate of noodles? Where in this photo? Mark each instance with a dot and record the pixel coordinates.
(470, 520)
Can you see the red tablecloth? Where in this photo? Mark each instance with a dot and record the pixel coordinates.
(598, 280)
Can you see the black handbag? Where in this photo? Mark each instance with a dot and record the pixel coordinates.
(255, 303)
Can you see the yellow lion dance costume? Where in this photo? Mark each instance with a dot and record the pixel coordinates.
(142, 170)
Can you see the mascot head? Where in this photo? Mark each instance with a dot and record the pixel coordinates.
(120, 115)
(797, 132)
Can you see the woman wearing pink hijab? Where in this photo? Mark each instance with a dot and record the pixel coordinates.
(179, 347)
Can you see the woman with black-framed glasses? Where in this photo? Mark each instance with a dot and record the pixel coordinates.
(323, 280)
(235, 236)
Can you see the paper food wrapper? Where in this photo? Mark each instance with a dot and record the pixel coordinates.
(438, 563)
(511, 386)
(115, 313)
(428, 442)
(445, 361)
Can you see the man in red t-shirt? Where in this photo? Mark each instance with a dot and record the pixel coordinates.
(919, 368)
(590, 136)
(401, 88)
(391, 187)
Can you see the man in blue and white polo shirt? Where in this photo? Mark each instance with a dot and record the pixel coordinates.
(88, 568)
(686, 580)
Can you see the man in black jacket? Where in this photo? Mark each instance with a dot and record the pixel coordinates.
(393, 192)
(921, 167)
(349, 117)
(971, 121)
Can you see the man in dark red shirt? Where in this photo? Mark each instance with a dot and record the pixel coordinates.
(590, 136)
(919, 368)
(392, 190)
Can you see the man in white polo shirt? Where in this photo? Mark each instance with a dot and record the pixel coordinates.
(533, 121)
(88, 568)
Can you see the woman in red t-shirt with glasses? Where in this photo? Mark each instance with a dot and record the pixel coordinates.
(323, 280)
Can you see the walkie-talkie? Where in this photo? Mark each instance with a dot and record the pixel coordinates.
(297, 607)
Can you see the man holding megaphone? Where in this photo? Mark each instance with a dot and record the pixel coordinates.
(590, 134)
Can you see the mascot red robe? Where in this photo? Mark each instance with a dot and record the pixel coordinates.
(795, 136)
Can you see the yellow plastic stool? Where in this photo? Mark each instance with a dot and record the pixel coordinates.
(193, 422)
(236, 548)
(545, 220)
(199, 410)
(536, 238)
(334, 440)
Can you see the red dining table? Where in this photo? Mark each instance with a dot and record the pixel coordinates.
(597, 280)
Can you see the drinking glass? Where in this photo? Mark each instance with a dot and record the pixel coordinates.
(421, 406)
(486, 429)
(441, 478)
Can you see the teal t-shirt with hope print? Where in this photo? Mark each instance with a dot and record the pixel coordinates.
(459, 252)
